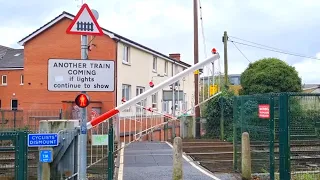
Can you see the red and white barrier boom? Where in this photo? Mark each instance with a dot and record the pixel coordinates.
(151, 91)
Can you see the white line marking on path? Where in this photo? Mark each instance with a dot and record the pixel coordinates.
(195, 166)
(120, 172)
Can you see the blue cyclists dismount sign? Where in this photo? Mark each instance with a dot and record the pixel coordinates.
(45, 156)
(40, 140)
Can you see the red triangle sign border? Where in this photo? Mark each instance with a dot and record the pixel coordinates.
(75, 19)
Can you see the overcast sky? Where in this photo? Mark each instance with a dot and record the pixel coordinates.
(167, 26)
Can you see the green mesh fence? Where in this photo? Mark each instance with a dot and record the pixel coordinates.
(261, 130)
(304, 121)
(285, 139)
(13, 155)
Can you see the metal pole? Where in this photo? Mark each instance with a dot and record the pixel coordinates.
(173, 110)
(173, 128)
(196, 60)
(110, 151)
(272, 138)
(83, 124)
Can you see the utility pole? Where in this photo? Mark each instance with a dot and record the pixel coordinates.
(225, 40)
(196, 76)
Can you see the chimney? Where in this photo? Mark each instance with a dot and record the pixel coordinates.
(175, 56)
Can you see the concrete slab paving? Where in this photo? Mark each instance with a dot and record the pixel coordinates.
(153, 160)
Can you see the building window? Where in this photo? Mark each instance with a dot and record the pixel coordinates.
(165, 107)
(234, 80)
(155, 100)
(14, 104)
(166, 68)
(4, 80)
(140, 90)
(154, 64)
(126, 89)
(21, 79)
(125, 54)
(184, 104)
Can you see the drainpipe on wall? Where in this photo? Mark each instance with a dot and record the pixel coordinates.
(116, 126)
(116, 73)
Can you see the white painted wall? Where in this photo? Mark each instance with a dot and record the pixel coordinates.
(139, 72)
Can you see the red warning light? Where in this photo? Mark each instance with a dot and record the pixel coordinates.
(151, 84)
(214, 51)
(82, 100)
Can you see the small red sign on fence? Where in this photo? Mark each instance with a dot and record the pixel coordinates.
(264, 111)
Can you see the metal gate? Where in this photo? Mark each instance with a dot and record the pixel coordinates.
(13, 155)
(284, 131)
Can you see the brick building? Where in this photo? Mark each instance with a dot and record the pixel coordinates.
(24, 71)
(12, 79)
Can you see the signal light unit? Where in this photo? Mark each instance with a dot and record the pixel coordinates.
(151, 84)
(82, 100)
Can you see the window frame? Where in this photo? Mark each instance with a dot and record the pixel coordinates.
(21, 79)
(185, 102)
(154, 63)
(142, 102)
(154, 97)
(125, 55)
(2, 78)
(124, 88)
(166, 68)
(165, 106)
(12, 104)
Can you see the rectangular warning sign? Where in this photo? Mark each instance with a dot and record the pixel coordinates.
(264, 111)
(80, 75)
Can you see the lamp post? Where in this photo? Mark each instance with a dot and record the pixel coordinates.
(151, 84)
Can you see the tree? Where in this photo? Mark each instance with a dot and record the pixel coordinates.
(270, 75)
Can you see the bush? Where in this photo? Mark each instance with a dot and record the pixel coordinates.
(269, 75)
(213, 114)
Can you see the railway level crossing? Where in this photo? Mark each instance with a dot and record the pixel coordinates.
(98, 75)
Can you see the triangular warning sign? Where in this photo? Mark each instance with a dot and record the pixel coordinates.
(85, 23)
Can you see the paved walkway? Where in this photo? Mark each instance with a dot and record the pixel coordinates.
(153, 160)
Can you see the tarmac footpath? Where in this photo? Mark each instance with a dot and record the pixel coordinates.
(153, 160)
